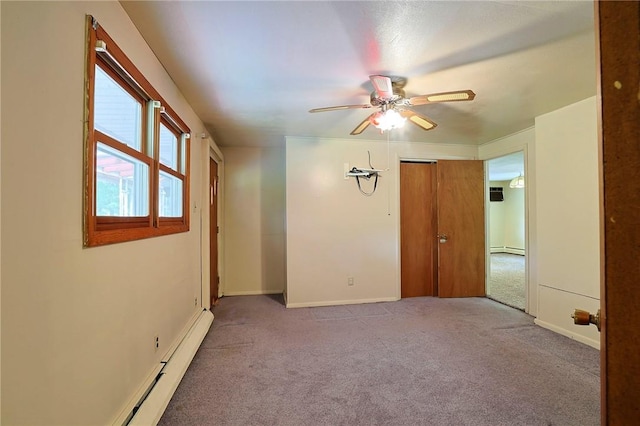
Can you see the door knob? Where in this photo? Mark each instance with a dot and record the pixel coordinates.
(443, 238)
(581, 317)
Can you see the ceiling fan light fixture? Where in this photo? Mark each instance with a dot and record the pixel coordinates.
(387, 120)
(389, 96)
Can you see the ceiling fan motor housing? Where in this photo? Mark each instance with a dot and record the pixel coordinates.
(398, 96)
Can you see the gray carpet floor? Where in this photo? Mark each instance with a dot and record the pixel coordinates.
(507, 280)
(419, 361)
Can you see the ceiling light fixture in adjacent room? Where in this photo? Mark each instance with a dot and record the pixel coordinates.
(517, 182)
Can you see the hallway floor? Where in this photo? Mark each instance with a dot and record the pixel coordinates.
(507, 280)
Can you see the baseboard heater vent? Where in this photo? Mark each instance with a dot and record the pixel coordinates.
(505, 249)
(146, 394)
(514, 250)
(152, 405)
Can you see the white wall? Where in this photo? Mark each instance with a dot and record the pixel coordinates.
(514, 223)
(567, 210)
(78, 324)
(507, 220)
(255, 221)
(333, 231)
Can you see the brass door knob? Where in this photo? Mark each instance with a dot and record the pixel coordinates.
(581, 317)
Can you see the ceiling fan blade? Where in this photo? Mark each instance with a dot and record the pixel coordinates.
(340, 107)
(418, 119)
(360, 128)
(459, 95)
(383, 86)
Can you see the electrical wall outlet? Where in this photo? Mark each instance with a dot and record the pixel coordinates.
(350, 281)
(195, 302)
(156, 342)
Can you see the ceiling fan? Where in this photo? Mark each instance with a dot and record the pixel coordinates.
(389, 97)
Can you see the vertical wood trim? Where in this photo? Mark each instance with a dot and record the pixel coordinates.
(619, 83)
(89, 224)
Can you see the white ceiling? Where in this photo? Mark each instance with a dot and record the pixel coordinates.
(506, 167)
(252, 70)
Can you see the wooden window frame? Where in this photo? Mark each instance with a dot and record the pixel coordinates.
(101, 230)
(164, 221)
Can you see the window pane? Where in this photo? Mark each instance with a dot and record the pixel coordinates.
(170, 196)
(122, 184)
(116, 112)
(168, 148)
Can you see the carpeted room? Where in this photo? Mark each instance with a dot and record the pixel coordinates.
(54, 361)
(415, 361)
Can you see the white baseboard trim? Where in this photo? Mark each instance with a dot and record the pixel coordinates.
(567, 333)
(156, 402)
(340, 302)
(251, 292)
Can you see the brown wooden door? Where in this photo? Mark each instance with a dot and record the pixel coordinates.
(461, 257)
(618, 26)
(213, 232)
(418, 227)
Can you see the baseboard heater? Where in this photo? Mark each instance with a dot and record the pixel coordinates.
(152, 405)
(511, 250)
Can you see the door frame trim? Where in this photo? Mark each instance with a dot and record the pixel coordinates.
(530, 302)
(210, 151)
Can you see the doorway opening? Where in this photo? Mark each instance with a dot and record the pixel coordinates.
(506, 278)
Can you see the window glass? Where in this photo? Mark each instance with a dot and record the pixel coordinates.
(170, 199)
(122, 184)
(116, 112)
(168, 148)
